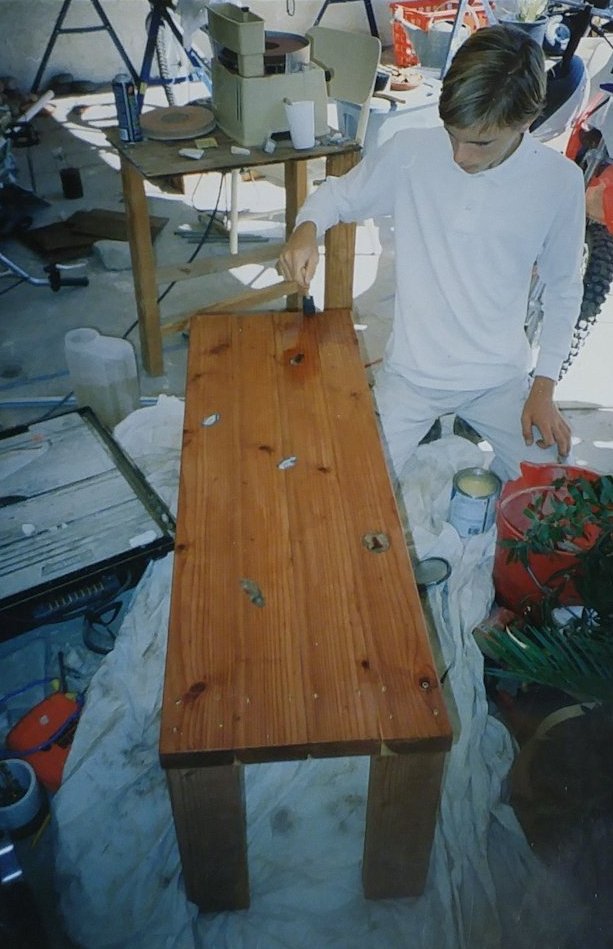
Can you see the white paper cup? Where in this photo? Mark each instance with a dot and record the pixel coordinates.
(301, 121)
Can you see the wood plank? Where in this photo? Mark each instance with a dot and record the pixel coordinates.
(237, 302)
(397, 664)
(296, 189)
(340, 246)
(143, 268)
(403, 799)
(209, 812)
(162, 159)
(218, 264)
(333, 658)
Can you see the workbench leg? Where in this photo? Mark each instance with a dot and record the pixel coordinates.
(143, 268)
(340, 246)
(208, 806)
(296, 187)
(403, 798)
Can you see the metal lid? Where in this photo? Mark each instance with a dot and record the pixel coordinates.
(430, 572)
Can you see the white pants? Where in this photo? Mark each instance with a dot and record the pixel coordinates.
(407, 412)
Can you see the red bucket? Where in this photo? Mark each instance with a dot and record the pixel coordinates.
(518, 587)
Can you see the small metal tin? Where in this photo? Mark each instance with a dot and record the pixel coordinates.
(430, 572)
(126, 104)
(473, 500)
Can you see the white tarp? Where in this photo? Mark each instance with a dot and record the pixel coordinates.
(117, 864)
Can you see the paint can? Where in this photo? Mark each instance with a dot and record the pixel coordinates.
(128, 119)
(474, 494)
(431, 572)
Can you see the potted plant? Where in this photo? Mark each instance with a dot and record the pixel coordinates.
(528, 15)
(568, 649)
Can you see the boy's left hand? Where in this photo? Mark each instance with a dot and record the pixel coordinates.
(541, 411)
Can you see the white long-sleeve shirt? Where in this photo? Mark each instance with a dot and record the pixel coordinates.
(465, 247)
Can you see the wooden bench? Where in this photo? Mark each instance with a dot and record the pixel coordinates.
(296, 628)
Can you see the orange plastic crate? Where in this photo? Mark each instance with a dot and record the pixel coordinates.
(422, 14)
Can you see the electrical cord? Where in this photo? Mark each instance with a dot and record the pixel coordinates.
(12, 287)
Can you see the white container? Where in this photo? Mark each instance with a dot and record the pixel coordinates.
(103, 374)
(301, 121)
(23, 811)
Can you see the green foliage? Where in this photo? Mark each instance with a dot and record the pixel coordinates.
(577, 659)
(576, 517)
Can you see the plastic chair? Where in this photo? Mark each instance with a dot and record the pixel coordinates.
(350, 61)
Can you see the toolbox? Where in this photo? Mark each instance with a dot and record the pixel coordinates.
(78, 520)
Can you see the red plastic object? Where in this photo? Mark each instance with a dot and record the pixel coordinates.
(49, 727)
(517, 588)
(423, 13)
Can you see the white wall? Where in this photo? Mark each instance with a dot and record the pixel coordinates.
(26, 27)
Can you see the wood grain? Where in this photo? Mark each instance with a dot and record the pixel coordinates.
(143, 267)
(403, 799)
(210, 803)
(332, 656)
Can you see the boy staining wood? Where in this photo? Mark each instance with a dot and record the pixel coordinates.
(476, 203)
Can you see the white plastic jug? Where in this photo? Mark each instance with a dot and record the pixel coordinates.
(103, 374)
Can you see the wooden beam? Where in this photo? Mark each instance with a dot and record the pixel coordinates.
(208, 807)
(241, 301)
(403, 799)
(143, 267)
(296, 189)
(200, 268)
(340, 246)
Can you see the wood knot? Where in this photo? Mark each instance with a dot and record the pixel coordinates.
(377, 543)
(194, 691)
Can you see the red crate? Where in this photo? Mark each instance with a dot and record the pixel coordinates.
(422, 14)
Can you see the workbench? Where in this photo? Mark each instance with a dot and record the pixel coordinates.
(154, 160)
(296, 628)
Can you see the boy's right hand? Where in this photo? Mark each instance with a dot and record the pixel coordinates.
(299, 258)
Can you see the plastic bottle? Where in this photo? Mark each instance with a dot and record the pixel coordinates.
(103, 374)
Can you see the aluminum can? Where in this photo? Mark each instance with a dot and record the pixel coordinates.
(431, 572)
(474, 494)
(128, 119)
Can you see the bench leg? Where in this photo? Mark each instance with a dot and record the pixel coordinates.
(403, 798)
(208, 806)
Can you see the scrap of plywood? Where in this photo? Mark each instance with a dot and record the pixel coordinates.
(66, 240)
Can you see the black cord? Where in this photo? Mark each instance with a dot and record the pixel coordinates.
(12, 286)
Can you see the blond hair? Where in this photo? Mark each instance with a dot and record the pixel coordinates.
(496, 80)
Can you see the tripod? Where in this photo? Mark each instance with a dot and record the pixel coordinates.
(372, 23)
(161, 19)
(58, 29)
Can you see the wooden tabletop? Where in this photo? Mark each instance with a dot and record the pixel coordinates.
(158, 159)
(296, 627)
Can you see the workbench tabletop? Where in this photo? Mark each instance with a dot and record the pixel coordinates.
(162, 159)
(296, 627)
